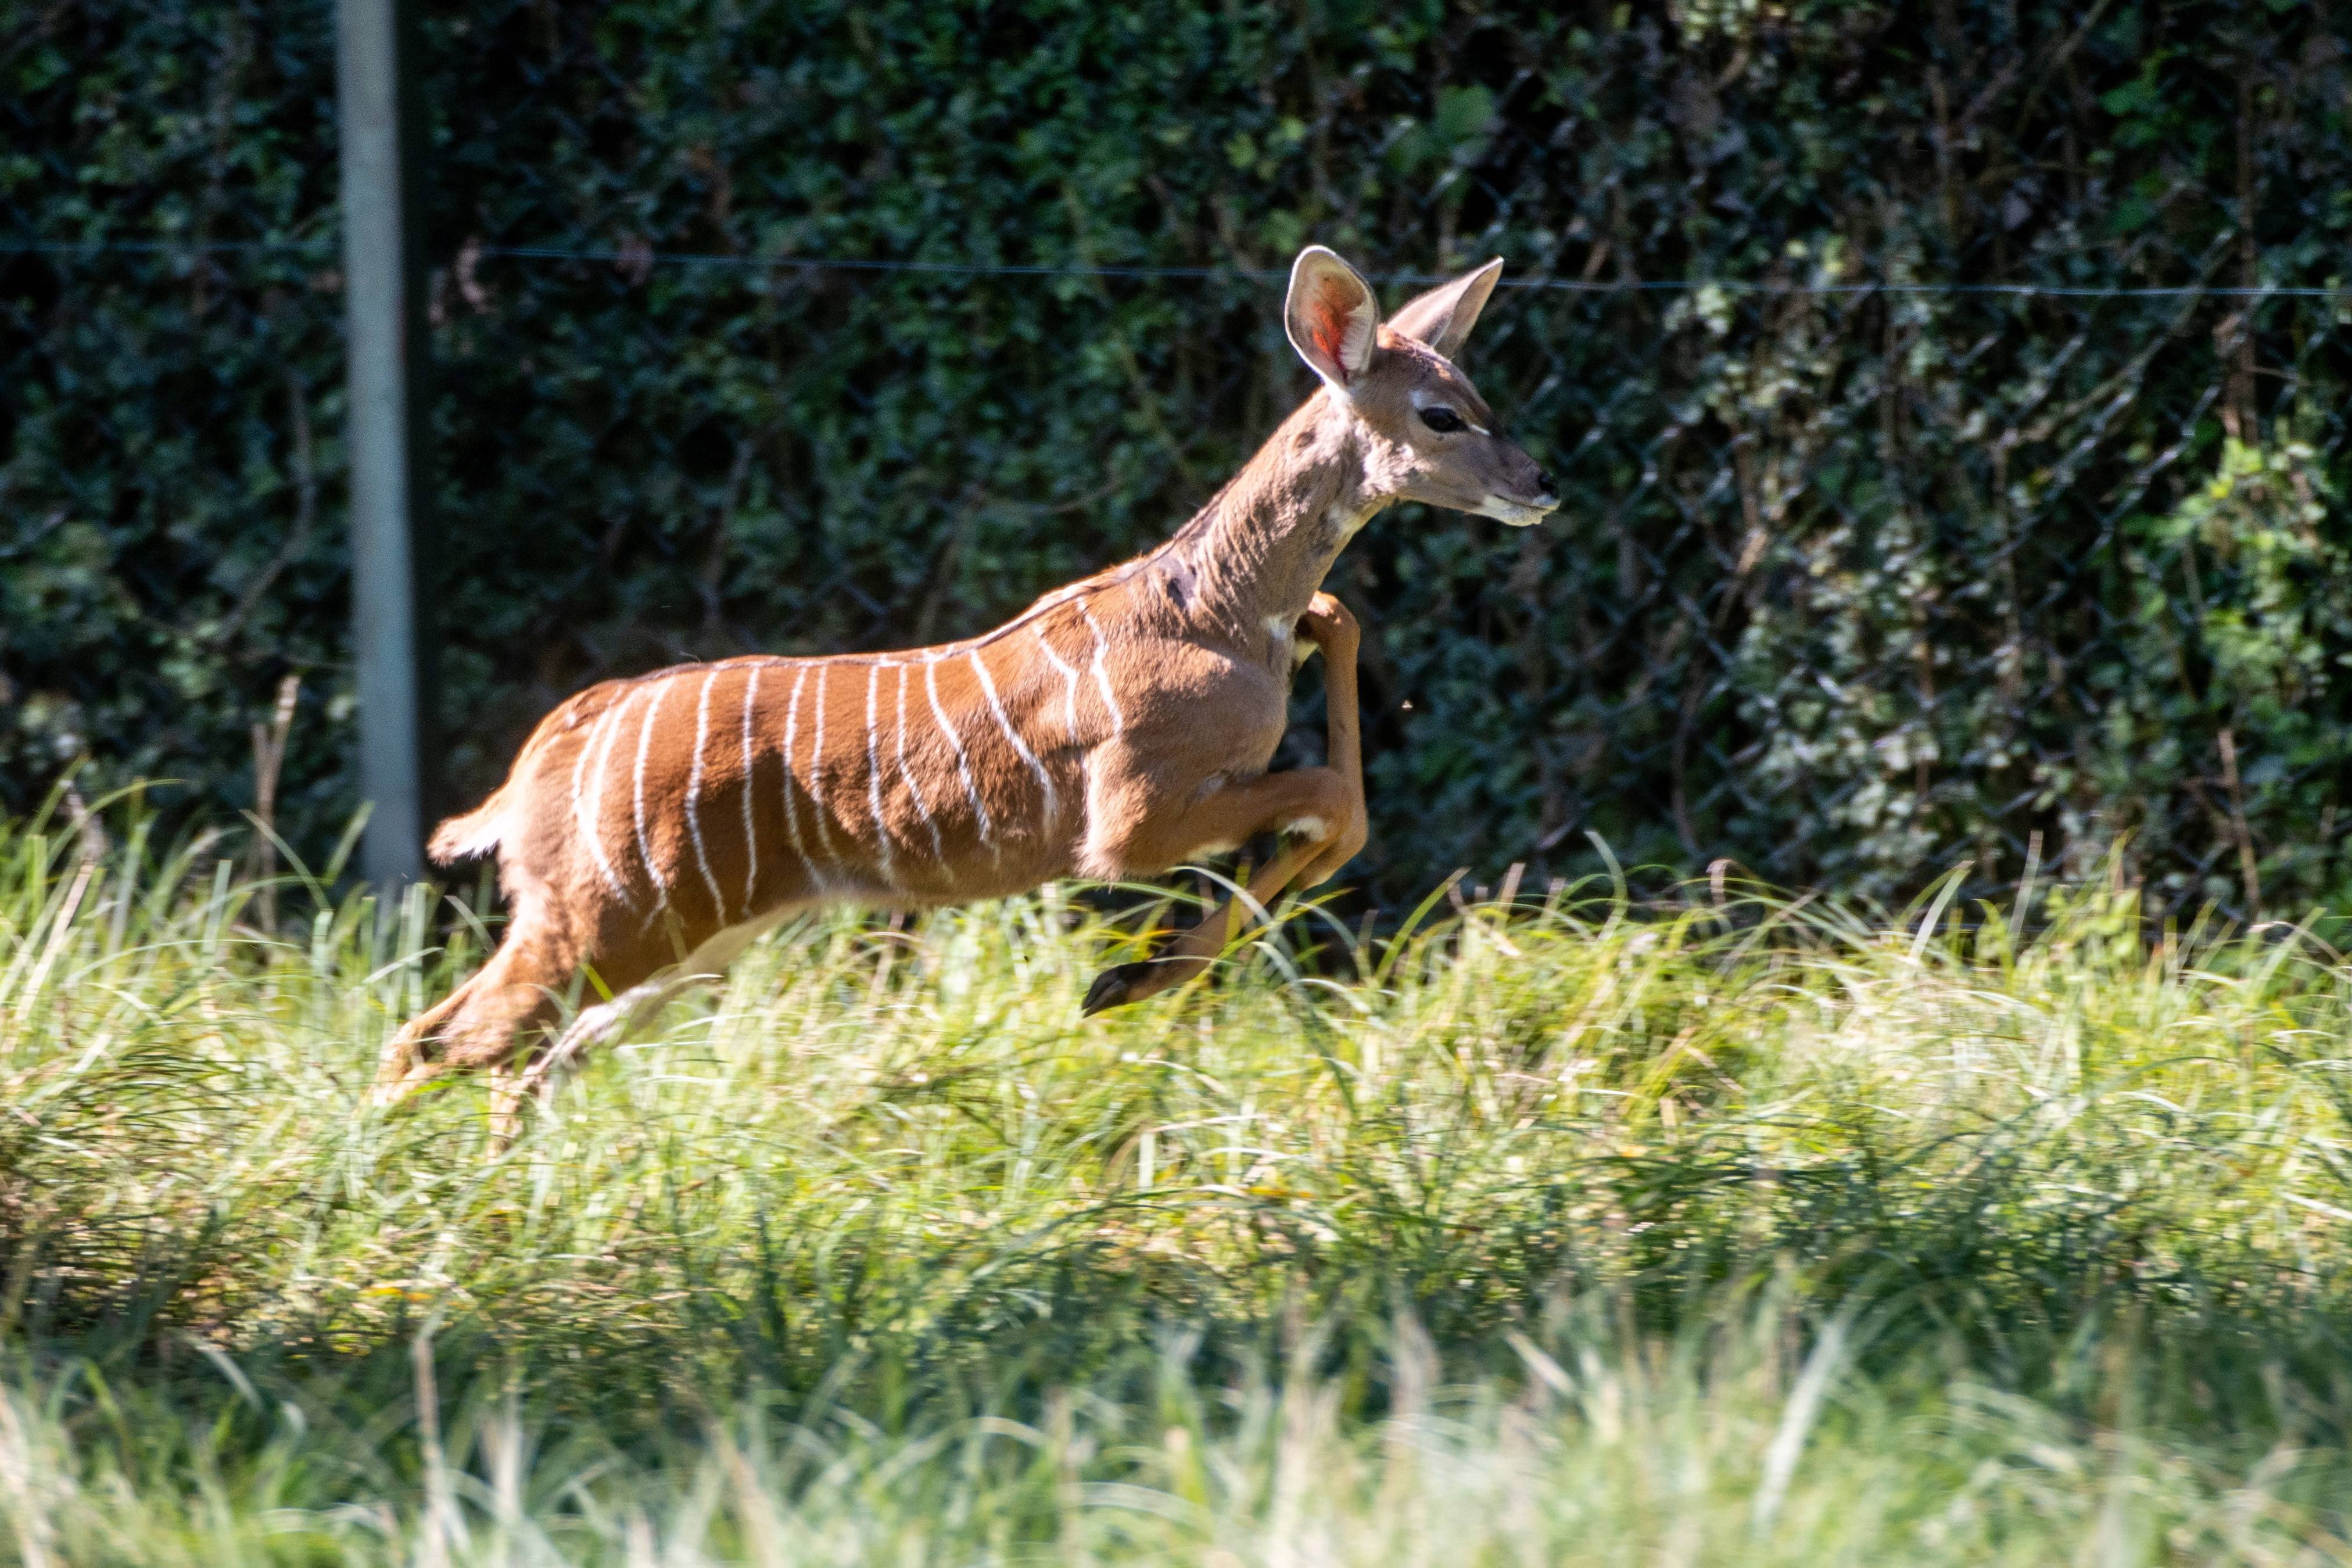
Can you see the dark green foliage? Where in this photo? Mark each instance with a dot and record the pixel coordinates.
(1849, 585)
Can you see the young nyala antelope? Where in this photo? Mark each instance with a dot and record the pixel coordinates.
(1117, 728)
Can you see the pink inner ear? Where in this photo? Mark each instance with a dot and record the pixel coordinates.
(1331, 313)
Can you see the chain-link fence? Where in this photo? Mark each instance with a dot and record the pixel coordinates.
(797, 329)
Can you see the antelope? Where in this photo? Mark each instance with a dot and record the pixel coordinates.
(652, 827)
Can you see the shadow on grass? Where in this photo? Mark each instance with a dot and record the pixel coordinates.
(2007, 1276)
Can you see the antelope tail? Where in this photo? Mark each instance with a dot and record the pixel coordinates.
(478, 832)
(474, 833)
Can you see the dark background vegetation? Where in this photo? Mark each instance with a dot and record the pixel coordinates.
(1859, 574)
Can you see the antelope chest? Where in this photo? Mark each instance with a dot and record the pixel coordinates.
(1220, 709)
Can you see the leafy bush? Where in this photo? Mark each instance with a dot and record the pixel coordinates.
(1851, 584)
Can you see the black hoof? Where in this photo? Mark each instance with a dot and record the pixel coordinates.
(1113, 987)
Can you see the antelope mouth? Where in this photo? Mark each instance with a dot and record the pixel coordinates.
(1519, 513)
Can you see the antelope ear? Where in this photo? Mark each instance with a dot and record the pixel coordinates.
(1443, 317)
(1331, 317)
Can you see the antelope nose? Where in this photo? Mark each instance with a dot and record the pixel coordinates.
(1544, 486)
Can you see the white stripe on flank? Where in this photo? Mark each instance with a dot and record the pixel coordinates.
(694, 797)
(874, 774)
(587, 822)
(792, 785)
(1069, 687)
(751, 835)
(580, 767)
(963, 763)
(1045, 780)
(915, 790)
(644, 849)
(816, 775)
(601, 768)
(1102, 676)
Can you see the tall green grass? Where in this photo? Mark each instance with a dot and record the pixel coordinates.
(1544, 1231)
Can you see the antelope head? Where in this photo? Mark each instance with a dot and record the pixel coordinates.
(1424, 432)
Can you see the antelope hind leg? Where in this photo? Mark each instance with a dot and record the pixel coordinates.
(479, 1023)
(409, 1060)
(506, 1101)
(600, 1025)
(610, 1021)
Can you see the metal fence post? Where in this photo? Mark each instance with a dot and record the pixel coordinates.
(385, 353)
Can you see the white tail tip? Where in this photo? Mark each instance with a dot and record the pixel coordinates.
(461, 838)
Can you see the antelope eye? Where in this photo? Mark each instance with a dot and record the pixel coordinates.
(1443, 420)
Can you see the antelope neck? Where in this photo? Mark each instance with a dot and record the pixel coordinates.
(1262, 546)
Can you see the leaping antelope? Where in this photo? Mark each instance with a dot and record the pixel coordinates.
(1117, 728)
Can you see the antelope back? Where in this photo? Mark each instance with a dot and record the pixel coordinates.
(681, 802)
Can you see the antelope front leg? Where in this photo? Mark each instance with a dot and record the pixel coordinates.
(1192, 952)
(1311, 858)
(1329, 627)
(1308, 803)
(1307, 863)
